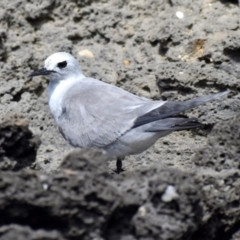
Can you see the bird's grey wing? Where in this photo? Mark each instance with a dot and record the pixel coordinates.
(96, 114)
(169, 109)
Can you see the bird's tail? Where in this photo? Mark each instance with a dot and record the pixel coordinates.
(171, 109)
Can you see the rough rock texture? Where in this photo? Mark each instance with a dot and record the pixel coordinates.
(17, 232)
(186, 186)
(236, 236)
(222, 151)
(18, 146)
(141, 46)
(83, 201)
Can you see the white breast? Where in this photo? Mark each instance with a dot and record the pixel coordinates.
(56, 92)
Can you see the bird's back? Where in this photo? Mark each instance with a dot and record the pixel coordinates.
(96, 114)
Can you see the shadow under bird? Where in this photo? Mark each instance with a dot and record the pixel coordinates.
(91, 113)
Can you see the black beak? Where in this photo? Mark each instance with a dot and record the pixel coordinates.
(41, 72)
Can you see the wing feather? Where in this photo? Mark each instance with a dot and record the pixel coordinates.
(97, 114)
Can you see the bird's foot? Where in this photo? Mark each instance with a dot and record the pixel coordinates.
(119, 167)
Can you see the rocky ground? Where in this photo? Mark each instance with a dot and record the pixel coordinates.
(187, 186)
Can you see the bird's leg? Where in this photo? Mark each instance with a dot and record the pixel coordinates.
(119, 168)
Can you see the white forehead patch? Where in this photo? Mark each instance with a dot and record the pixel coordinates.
(47, 63)
(54, 59)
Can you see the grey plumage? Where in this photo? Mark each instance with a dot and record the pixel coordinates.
(105, 113)
(91, 113)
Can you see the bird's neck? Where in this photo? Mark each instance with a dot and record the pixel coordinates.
(56, 92)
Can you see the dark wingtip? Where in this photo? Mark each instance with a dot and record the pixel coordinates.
(170, 109)
(30, 75)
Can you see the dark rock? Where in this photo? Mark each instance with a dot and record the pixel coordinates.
(220, 193)
(140, 46)
(236, 235)
(86, 160)
(222, 150)
(83, 204)
(18, 232)
(163, 203)
(18, 146)
(75, 202)
(83, 201)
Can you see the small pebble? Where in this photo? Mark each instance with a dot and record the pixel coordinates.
(169, 194)
(86, 53)
(179, 14)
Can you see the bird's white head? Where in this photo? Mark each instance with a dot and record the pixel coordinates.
(59, 66)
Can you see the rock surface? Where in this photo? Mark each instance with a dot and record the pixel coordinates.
(18, 146)
(170, 50)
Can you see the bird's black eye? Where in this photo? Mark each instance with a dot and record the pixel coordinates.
(62, 64)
